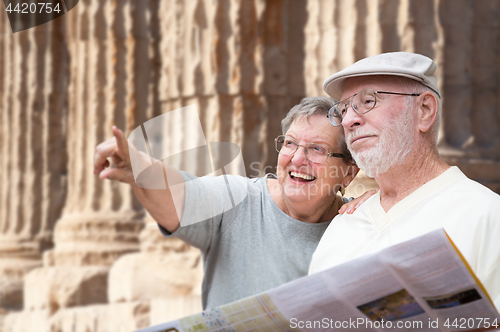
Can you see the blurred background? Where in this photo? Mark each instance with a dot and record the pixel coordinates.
(80, 254)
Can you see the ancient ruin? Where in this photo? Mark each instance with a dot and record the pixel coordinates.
(80, 254)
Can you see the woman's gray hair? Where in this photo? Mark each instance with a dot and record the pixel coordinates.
(314, 106)
(307, 107)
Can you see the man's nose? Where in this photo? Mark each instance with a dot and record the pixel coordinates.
(351, 118)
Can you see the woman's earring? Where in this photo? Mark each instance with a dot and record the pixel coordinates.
(342, 190)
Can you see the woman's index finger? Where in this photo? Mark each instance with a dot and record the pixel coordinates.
(121, 141)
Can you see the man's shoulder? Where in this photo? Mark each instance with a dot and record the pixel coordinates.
(473, 190)
(462, 202)
(360, 214)
(455, 188)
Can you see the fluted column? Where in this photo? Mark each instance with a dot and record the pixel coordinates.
(185, 77)
(243, 64)
(230, 59)
(33, 114)
(101, 219)
(471, 73)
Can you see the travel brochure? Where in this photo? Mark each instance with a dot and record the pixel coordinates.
(423, 284)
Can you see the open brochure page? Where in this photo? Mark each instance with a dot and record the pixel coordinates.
(418, 285)
(311, 304)
(432, 269)
(371, 288)
(255, 313)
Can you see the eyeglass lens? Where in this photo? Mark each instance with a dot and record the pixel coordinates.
(362, 102)
(314, 152)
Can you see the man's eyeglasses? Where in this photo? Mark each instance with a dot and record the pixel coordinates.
(315, 153)
(361, 102)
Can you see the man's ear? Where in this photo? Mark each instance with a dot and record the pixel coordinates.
(427, 111)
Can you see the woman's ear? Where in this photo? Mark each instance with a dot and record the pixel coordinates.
(352, 171)
(427, 111)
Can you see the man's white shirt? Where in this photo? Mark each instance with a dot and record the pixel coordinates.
(468, 212)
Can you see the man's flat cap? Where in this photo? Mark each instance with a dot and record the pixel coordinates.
(414, 66)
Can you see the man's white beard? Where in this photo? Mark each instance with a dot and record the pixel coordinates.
(395, 142)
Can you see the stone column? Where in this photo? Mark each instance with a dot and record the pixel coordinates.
(101, 220)
(470, 136)
(167, 273)
(243, 64)
(230, 59)
(283, 32)
(33, 113)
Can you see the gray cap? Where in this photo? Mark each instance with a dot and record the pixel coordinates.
(415, 66)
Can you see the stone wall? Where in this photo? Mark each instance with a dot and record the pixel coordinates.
(79, 254)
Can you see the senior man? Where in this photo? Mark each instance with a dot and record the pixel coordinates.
(390, 110)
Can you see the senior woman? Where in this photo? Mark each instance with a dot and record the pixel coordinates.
(270, 237)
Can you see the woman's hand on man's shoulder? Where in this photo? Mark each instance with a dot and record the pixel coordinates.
(353, 205)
